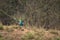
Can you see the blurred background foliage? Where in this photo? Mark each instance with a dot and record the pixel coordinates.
(40, 13)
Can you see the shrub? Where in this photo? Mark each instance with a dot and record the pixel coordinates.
(57, 38)
(15, 27)
(54, 32)
(1, 27)
(28, 36)
(1, 37)
(9, 29)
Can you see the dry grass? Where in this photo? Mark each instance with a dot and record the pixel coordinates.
(12, 33)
